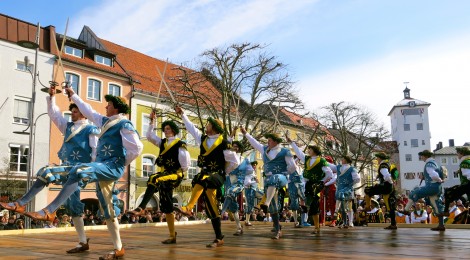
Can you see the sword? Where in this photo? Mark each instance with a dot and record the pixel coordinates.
(167, 88)
(154, 109)
(60, 65)
(277, 120)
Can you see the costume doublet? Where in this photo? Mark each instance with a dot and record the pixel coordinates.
(315, 176)
(234, 185)
(173, 160)
(432, 186)
(385, 188)
(79, 146)
(118, 146)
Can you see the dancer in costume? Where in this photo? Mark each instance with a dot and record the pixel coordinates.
(79, 146)
(384, 187)
(316, 172)
(432, 187)
(252, 192)
(173, 161)
(327, 197)
(215, 159)
(347, 176)
(118, 146)
(296, 188)
(234, 186)
(278, 162)
(454, 193)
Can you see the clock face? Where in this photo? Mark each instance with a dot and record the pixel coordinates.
(411, 104)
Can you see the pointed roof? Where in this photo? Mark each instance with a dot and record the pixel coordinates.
(408, 101)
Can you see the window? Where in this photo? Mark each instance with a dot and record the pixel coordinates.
(103, 60)
(20, 65)
(145, 124)
(456, 175)
(408, 157)
(419, 126)
(414, 142)
(443, 160)
(74, 51)
(410, 175)
(18, 158)
(190, 139)
(420, 175)
(74, 81)
(114, 90)
(147, 166)
(68, 116)
(192, 169)
(410, 112)
(405, 143)
(406, 127)
(455, 160)
(21, 111)
(423, 142)
(94, 89)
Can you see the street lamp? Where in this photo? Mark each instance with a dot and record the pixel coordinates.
(31, 45)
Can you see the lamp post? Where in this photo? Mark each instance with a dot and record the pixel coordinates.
(31, 45)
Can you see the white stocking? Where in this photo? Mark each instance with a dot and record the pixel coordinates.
(113, 228)
(80, 228)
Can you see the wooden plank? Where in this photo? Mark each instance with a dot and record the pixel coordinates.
(143, 242)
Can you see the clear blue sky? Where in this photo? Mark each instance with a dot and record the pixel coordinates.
(360, 51)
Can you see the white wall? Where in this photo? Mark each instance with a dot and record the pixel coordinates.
(16, 83)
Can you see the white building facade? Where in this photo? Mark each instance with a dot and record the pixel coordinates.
(16, 100)
(411, 130)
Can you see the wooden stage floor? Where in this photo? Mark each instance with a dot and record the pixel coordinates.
(142, 241)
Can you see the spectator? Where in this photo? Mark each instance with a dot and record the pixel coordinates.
(49, 224)
(90, 220)
(64, 221)
(20, 223)
(11, 225)
(268, 218)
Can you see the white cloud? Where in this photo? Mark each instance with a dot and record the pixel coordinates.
(438, 74)
(181, 30)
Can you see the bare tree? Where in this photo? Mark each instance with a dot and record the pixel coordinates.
(356, 131)
(248, 81)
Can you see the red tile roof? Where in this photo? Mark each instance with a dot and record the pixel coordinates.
(90, 62)
(307, 122)
(142, 69)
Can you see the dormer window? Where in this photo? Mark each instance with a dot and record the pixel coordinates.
(103, 60)
(74, 51)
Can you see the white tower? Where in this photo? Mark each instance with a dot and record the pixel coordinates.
(410, 129)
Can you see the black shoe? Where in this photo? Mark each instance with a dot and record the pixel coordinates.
(170, 240)
(439, 228)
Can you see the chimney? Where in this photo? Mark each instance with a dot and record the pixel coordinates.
(451, 142)
(440, 145)
(333, 125)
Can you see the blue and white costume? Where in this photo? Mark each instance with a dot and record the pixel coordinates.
(278, 162)
(347, 176)
(118, 146)
(252, 192)
(296, 187)
(79, 146)
(235, 185)
(432, 187)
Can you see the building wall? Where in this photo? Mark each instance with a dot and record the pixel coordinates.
(17, 84)
(403, 139)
